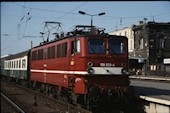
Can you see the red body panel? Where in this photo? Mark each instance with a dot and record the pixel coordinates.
(57, 71)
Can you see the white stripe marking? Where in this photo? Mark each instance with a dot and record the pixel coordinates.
(60, 72)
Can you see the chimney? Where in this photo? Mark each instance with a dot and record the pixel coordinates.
(140, 22)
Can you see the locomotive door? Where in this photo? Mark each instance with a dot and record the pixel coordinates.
(73, 57)
(74, 54)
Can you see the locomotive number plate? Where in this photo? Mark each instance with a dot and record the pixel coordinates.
(107, 65)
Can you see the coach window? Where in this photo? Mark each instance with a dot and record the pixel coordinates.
(15, 66)
(23, 63)
(12, 64)
(19, 63)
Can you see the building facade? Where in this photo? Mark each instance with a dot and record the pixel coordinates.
(150, 42)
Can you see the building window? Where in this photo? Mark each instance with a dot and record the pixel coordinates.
(130, 44)
(161, 43)
(141, 43)
(125, 33)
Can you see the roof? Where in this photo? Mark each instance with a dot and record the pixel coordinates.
(18, 55)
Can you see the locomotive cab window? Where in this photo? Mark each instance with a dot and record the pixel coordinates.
(116, 46)
(75, 47)
(96, 46)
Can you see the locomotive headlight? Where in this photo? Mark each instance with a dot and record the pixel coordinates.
(90, 64)
(90, 70)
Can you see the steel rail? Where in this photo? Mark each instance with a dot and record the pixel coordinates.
(13, 104)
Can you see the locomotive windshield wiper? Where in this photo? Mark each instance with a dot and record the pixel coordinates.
(113, 51)
(92, 49)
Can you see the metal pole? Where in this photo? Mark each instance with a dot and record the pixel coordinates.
(91, 20)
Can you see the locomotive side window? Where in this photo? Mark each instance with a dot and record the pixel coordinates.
(40, 54)
(49, 52)
(53, 52)
(116, 46)
(34, 55)
(96, 46)
(45, 53)
(59, 51)
(64, 49)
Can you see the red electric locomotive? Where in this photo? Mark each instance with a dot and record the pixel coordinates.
(86, 66)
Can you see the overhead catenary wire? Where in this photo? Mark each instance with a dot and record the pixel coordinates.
(121, 18)
(118, 18)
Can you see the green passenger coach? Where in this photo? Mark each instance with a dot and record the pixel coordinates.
(16, 67)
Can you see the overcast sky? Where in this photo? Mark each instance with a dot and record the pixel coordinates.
(22, 22)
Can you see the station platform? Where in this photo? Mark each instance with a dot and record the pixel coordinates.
(153, 88)
(150, 77)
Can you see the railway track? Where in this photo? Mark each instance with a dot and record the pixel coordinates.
(8, 106)
(32, 101)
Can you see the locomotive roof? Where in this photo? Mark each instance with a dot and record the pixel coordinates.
(18, 55)
(81, 31)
